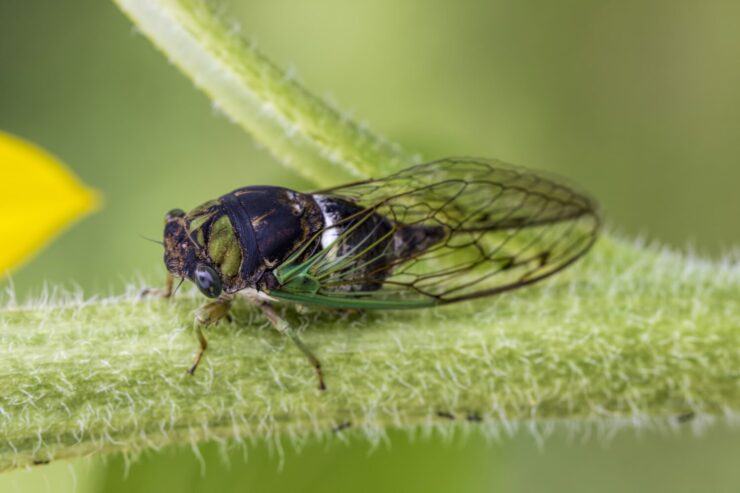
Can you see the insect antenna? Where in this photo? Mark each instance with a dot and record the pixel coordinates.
(152, 240)
(182, 280)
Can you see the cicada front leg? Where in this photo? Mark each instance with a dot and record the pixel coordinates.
(209, 314)
(165, 293)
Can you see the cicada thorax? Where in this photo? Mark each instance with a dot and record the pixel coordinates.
(249, 231)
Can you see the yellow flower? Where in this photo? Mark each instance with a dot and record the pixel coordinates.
(39, 197)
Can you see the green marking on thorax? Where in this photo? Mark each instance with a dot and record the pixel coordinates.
(201, 214)
(200, 238)
(224, 248)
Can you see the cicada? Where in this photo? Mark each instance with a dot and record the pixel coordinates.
(433, 234)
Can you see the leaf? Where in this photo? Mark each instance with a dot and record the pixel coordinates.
(39, 197)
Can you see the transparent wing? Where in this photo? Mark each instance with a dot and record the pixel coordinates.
(445, 231)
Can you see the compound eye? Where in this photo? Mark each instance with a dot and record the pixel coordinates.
(174, 214)
(207, 281)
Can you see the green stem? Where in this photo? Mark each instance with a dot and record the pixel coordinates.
(301, 130)
(625, 337)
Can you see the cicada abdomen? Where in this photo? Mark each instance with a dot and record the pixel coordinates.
(373, 242)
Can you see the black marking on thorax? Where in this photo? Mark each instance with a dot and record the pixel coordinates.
(242, 223)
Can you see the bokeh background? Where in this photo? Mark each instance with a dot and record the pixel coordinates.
(637, 101)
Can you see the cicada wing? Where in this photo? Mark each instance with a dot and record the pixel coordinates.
(454, 229)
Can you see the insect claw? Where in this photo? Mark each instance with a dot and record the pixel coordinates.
(165, 293)
(160, 293)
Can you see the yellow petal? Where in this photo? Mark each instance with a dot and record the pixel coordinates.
(39, 197)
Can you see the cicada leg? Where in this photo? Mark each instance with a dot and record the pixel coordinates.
(162, 293)
(285, 329)
(209, 314)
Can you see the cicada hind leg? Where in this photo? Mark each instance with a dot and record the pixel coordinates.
(282, 326)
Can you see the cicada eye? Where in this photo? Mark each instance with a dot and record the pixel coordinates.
(173, 214)
(207, 281)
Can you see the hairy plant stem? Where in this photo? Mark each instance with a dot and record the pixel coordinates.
(301, 130)
(629, 336)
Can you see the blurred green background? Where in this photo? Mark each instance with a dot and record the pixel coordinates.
(636, 101)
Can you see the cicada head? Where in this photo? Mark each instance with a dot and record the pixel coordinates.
(179, 251)
(185, 259)
(202, 246)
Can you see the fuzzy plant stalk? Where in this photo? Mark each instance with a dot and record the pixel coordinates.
(632, 336)
(301, 130)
